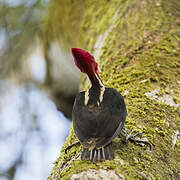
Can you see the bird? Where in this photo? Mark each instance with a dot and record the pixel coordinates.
(98, 114)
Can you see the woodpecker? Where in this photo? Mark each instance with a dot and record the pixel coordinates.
(98, 114)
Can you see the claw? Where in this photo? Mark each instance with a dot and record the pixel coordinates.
(134, 138)
(70, 146)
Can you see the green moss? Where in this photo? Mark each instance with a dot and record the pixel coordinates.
(140, 54)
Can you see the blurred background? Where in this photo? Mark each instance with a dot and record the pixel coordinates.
(37, 90)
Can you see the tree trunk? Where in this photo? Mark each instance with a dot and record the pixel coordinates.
(137, 47)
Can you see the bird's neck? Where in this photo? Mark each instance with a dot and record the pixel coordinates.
(96, 81)
(95, 94)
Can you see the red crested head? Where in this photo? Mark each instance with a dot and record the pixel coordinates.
(85, 61)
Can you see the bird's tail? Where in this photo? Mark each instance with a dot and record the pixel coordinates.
(96, 155)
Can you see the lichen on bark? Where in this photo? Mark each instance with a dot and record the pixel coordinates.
(139, 51)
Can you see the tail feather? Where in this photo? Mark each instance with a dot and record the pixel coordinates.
(85, 154)
(97, 155)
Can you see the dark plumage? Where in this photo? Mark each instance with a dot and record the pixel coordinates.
(98, 114)
(96, 125)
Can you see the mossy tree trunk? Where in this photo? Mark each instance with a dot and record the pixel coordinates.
(137, 47)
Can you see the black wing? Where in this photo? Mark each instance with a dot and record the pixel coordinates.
(99, 124)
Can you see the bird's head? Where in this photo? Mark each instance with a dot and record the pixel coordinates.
(85, 62)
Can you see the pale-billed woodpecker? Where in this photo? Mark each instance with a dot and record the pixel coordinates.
(98, 114)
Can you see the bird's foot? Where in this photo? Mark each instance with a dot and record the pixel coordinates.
(135, 138)
(70, 146)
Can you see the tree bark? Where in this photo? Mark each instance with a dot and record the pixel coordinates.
(137, 47)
